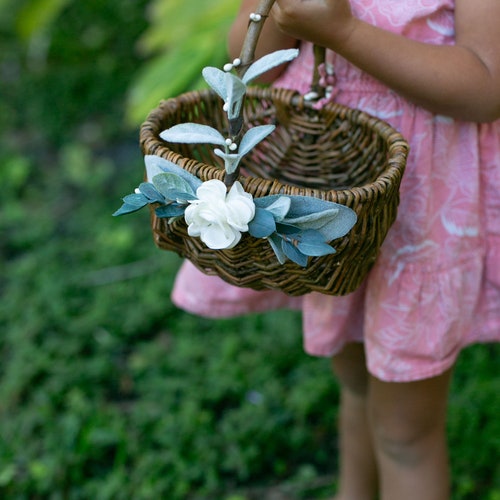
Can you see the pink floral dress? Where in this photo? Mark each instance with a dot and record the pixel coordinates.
(436, 285)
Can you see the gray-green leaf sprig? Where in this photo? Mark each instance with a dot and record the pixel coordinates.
(296, 227)
(232, 90)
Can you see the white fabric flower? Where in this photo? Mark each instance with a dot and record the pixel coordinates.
(219, 217)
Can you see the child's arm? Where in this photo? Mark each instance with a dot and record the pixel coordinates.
(462, 81)
(270, 39)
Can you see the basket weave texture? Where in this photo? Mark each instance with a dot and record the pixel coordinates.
(335, 153)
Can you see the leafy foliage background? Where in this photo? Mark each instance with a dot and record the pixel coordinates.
(106, 390)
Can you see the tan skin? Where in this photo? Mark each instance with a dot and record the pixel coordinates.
(392, 435)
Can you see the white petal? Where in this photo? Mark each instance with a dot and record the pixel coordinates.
(219, 236)
(240, 214)
(237, 191)
(211, 190)
(190, 214)
(194, 230)
(240, 207)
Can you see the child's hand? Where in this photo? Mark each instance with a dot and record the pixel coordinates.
(460, 80)
(323, 22)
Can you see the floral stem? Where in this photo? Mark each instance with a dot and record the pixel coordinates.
(229, 179)
(247, 53)
(247, 56)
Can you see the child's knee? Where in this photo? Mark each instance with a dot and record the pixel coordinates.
(405, 438)
(408, 419)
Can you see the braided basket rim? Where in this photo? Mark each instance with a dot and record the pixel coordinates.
(397, 147)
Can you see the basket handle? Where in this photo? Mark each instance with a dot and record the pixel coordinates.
(247, 54)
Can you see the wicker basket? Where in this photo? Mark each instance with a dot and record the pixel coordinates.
(335, 153)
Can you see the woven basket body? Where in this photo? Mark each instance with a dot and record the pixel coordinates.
(336, 153)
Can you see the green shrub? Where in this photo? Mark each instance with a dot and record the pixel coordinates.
(66, 66)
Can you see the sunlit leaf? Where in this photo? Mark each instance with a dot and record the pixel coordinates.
(177, 21)
(182, 38)
(171, 73)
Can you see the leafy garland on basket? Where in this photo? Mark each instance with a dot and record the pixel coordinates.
(296, 227)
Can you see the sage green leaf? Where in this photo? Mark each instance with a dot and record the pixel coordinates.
(151, 193)
(268, 62)
(158, 165)
(235, 93)
(253, 136)
(216, 79)
(193, 133)
(136, 199)
(314, 220)
(277, 205)
(127, 209)
(275, 242)
(312, 243)
(287, 229)
(280, 208)
(181, 196)
(231, 160)
(262, 225)
(227, 86)
(332, 220)
(293, 253)
(169, 185)
(172, 210)
(315, 249)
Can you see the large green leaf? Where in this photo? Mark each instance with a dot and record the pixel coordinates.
(184, 36)
(173, 22)
(172, 73)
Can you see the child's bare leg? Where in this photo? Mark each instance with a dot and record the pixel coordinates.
(408, 422)
(358, 471)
